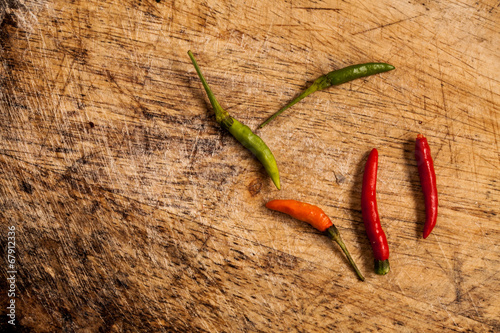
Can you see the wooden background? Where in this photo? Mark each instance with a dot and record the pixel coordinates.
(134, 211)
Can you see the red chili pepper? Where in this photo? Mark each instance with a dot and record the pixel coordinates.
(316, 217)
(428, 182)
(371, 218)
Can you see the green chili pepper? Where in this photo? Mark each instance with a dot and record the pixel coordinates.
(335, 78)
(241, 132)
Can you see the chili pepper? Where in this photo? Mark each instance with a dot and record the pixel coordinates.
(316, 217)
(428, 182)
(371, 218)
(241, 132)
(335, 78)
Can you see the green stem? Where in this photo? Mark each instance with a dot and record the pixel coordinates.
(307, 92)
(382, 267)
(334, 234)
(221, 115)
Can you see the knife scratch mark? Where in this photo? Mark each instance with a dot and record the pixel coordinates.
(387, 25)
(473, 304)
(128, 93)
(450, 266)
(56, 108)
(319, 8)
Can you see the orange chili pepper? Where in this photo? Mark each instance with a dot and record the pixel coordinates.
(316, 217)
(302, 211)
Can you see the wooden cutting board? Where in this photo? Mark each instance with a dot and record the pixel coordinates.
(134, 211)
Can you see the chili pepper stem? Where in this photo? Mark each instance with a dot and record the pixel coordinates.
(221, 115)
(334, 234)
(382, 267)
(307, 92)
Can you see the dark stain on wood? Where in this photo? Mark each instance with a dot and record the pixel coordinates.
(255, 187)
(26, 187)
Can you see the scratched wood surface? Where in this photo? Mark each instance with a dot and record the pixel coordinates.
(134, 211)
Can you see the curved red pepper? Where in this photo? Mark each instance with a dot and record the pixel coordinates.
(371, 218)
(428, 182)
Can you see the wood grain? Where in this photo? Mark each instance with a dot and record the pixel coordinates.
(134, 211)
